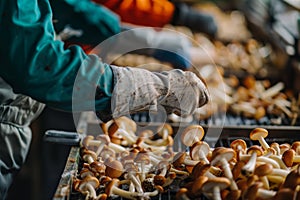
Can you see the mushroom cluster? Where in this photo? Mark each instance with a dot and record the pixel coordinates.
(124, 163)
(141, 165)
(239, 172)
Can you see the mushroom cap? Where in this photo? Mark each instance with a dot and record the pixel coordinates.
(126, 124)
(103, 138)
(178, 159)
(97, 167)
(255, 148)
(105, 126)
(220, 182)
(86, 140)
(197, 147)
(238, 145)
(233, 195)
(192, 134)
(165, 127)
(296, 147)
(285, 193)
(288, 157)
(88, 180)
(89, 153)
(200, 169)
(292, 180)
(197, 185)
(237, 168)
(283, 147)
(86, 172)
(251, 192)
(226, 153)
(109, 187)
(264, 169)
(159, 180)
(114, 169)
(257, 133)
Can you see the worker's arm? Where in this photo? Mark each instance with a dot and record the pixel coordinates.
(37, 65)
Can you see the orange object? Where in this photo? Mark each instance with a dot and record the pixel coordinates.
(155, 13)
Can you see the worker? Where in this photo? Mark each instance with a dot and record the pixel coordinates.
(158, 13)
(36, 69)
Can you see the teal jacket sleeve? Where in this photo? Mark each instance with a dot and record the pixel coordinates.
(95, 21)
(37, 65)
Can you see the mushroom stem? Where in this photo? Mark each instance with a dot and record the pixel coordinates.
(124, 193)
(216, 193)
(228, 174)
(268, 160)
(127, 136)
(263, 143)
(91, 191)
(248, 169)
(265, 194)
(279, 161)
(117, 148)
(100, 148)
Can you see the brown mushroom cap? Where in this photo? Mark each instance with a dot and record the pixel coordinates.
(200, 169)
(178, 159)
(296, 147)
(89, 153)
(126, 123)
(86, 140)
(192, 134)
(237, 168)
(159, 180)
(97, 167)
(233, 195)
(255, 148)
(88, 180)
(238, 145)
(114, 169)
(86, 172)
(264, 169)
(197, 185)
(181, 192)
(288, 157)
(220, 182)
(197, 147)
(226, 153)
(257, 133)
(251, 192)
(284, 194)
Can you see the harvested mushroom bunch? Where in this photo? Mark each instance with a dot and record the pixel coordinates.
(257, 98)
(125, 163)
(260, 171)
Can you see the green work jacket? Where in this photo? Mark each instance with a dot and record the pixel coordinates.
(37, 65)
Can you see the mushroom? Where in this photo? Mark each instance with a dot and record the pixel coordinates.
(237, 169)
(214, 186)
(192, 134)
(196, 189)
(222, 157)
(296, 147)
(201, 169)
(143, 159)
(89, 156)
(112, 189)
(255, 191)
(98, 168)
(199, 151)
(285, 193)
(85, 172)
(275, 146)
(158, 190)
(107, 153)
(289, 157)
(255, 151)
(165, 130)
(180, 159)
(114, 169)
(131, 175)
(239, 146)
(104, 139)
(88, 185)
(259, 134)
(160, 179)
(262, 171)
(293, 179)
(283, 147)
(169, 180)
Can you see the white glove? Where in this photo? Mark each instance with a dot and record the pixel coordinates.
(141, 90)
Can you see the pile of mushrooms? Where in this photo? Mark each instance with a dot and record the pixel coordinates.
(140, 165)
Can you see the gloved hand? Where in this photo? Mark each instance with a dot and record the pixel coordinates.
(141, 90)
(194, 19)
